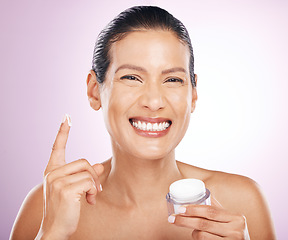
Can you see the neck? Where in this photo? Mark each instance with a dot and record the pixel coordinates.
(136, 181)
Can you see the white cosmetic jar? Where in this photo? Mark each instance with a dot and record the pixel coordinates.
(187, 191)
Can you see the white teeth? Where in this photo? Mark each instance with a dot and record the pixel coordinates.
(155, 127)
(139, 125)
(150, 126)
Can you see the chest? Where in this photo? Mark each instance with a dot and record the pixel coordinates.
(104, 223)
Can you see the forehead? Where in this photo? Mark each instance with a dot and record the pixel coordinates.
(151, 49)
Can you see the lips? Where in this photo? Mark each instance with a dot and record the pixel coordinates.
(151, 127)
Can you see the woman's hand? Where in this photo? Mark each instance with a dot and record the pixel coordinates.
(211, 222)
(63, 187)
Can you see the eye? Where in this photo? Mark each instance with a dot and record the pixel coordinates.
(174, 80)
(129, 77)
(131, 81)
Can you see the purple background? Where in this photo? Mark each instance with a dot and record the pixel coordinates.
(240, 123)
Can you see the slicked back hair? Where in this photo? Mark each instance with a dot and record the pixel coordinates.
(136, 18)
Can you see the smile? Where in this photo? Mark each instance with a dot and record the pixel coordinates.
(155, 125)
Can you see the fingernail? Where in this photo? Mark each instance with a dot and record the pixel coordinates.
(171, 219)
(101, 189)
(67, 116)
(181, 209)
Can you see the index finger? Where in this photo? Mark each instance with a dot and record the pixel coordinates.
(57, 158)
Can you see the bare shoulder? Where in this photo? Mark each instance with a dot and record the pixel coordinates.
(237, 194)
(227, 188)
(242, 195)
(29, 217)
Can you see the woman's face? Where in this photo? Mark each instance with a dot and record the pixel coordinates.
(147, 94)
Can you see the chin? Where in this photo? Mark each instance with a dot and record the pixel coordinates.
(152, 154)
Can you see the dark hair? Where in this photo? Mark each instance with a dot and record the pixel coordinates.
(139, 17)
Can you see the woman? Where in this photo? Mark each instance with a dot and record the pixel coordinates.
(143, 80)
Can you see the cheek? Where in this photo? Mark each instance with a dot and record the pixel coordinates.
(181, 101)
(108, 106)
(117, 106)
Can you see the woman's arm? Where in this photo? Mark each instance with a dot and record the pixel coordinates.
(253, 205)
(28, 220)
(57, 204)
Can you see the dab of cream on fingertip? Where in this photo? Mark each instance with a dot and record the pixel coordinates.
(171, 219)
(67, 116)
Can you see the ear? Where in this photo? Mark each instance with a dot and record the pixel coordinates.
(93, 90)
(194, 94)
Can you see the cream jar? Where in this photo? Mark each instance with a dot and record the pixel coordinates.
(187, 191)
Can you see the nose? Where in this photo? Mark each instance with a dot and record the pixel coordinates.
(152, 97)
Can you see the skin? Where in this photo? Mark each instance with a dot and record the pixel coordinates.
(148, 78)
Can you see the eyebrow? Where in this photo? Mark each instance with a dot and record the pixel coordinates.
(172, 70)
(132, 67)
(140, 69)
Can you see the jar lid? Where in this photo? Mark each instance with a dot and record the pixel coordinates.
(187, 190)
